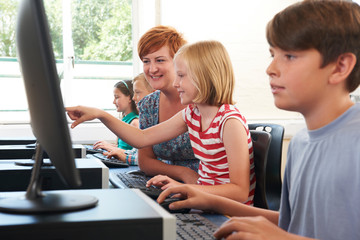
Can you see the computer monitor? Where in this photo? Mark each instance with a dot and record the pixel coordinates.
(48, 120)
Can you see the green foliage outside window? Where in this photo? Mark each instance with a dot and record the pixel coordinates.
(101, 29)
(7, 28)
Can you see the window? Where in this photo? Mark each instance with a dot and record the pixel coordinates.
(92, 43)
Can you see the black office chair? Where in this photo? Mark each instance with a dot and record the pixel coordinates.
(273, 166)
(261, 143)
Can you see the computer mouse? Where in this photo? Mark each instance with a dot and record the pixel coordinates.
(165, 204)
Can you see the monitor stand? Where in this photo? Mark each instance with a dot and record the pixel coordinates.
(27, 163)
(35, 201)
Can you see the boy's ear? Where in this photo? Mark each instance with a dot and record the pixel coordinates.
(343, 67)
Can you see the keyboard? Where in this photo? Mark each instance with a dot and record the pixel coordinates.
(194, 226)
(111, 162)
(134, 179)
(90, 149)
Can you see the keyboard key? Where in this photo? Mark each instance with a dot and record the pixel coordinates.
(194, 226)
(129, 180)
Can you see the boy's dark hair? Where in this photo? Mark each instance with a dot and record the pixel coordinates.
(330, 27)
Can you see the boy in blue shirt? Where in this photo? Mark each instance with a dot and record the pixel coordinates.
(315, 46)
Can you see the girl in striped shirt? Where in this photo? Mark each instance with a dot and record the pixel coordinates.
(219, 134)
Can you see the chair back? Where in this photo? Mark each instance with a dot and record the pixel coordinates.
(261, 142)
(273, 166)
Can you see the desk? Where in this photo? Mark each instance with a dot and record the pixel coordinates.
(121, 214)
(113, 218)
(217, 219)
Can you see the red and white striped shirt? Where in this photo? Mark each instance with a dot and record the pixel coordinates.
(208, 146)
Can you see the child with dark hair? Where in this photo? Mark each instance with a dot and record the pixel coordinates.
(125, 105)
(141, 89)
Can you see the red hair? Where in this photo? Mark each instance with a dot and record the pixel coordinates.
(159, 36)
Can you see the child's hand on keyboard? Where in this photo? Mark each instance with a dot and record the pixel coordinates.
(105, 145)
(192, 198)
(118, 153)
(162, 182)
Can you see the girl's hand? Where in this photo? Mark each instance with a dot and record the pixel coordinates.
(81, 114)
(117, 153)
(105, 145)
(193, 198)
(162, 181)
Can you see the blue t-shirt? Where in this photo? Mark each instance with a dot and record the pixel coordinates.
(177, 151)
(321, 187)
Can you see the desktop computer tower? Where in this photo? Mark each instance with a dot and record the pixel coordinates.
(94, 175)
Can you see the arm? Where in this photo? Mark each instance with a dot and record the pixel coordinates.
(236, 145)
(127, 156)
(132, 135)
(149, 164)
(135, 123)
(237, 151)
(162, 181)
(105, 145)
(118, 153)
(204, 201)
(247, 222)
(253, 228)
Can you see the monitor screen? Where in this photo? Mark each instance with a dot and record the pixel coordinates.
(48, 120)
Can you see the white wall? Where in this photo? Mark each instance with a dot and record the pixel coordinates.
(239, 25)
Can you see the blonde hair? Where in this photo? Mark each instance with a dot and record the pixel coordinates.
(141, 78)
(210, 67)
